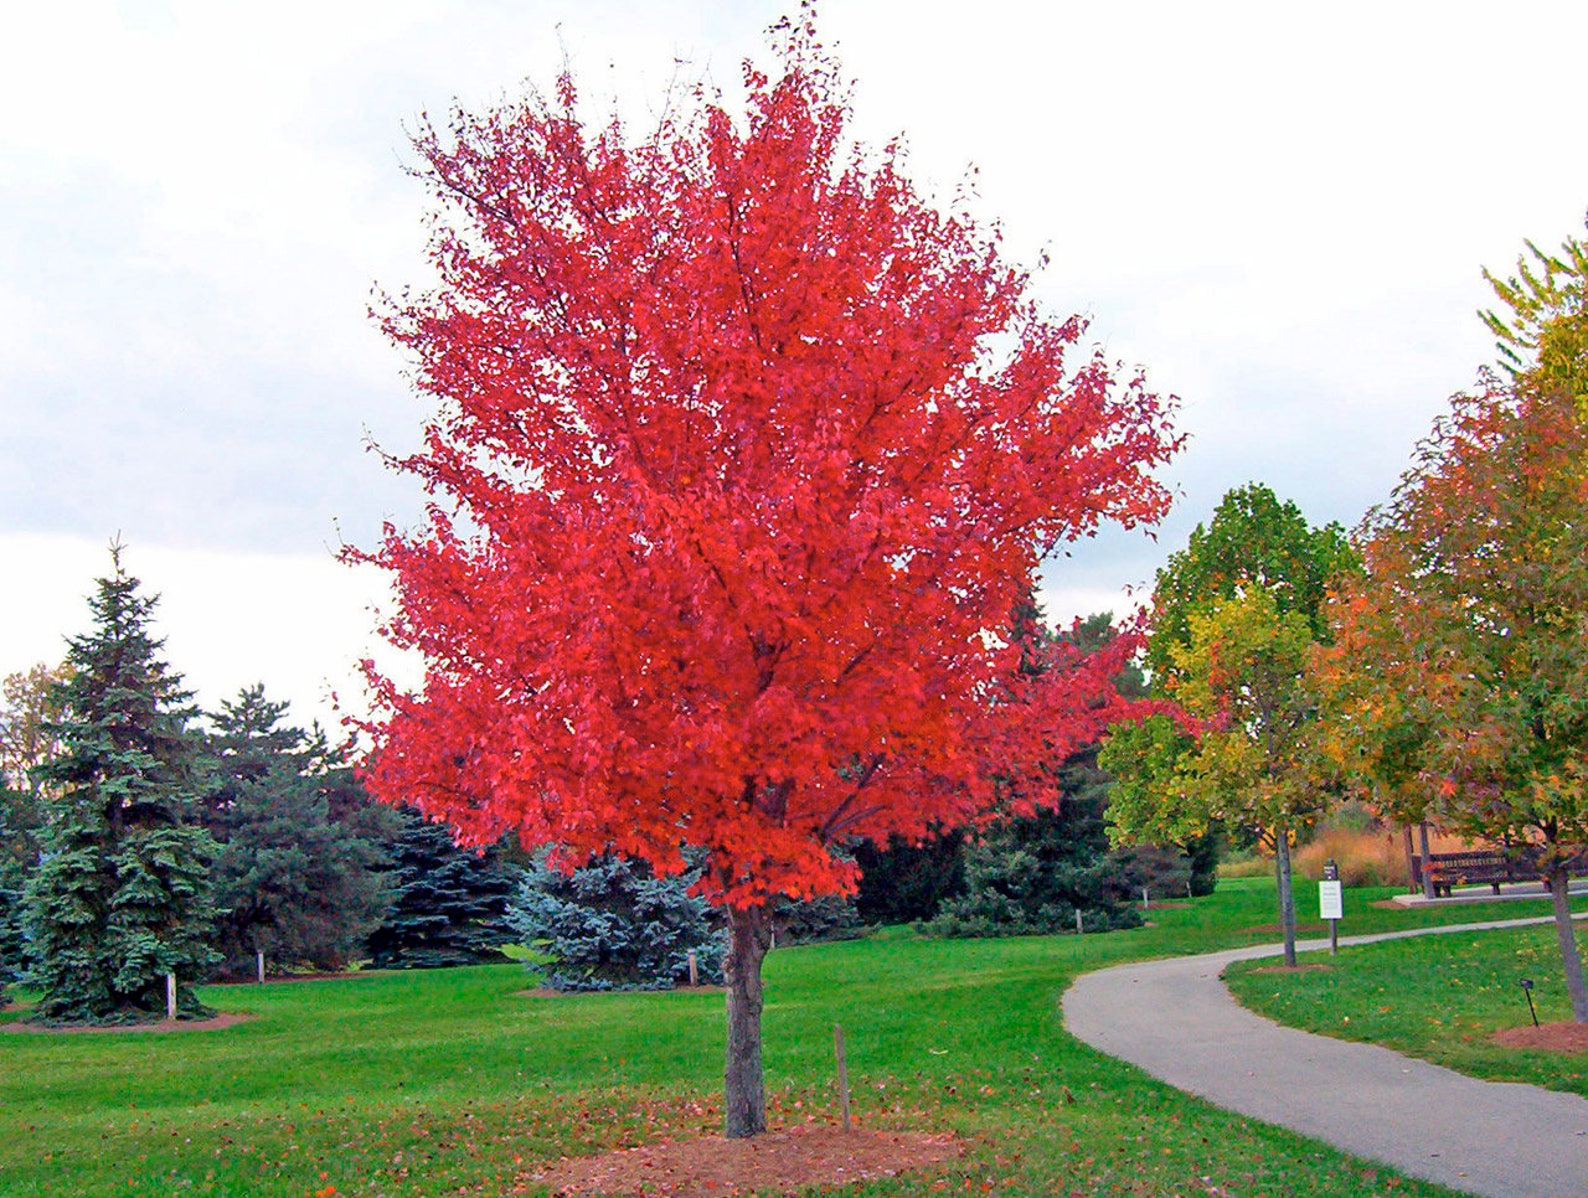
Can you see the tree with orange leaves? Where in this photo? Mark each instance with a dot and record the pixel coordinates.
(744, 453)
(1470, 633)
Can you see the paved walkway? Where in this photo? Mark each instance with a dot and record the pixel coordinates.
(1176, 1020)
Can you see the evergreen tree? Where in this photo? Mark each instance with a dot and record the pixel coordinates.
(1031, 874)
(449, 905)
(295, 883)
(122, 895)
(904, 882)
(14, 867)
(613, 925)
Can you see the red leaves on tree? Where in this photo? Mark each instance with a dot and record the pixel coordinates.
(743, 455)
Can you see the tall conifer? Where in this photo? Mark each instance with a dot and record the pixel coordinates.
(295, 882)
(122, 895)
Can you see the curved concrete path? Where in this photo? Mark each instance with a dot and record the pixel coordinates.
(1176, 1020)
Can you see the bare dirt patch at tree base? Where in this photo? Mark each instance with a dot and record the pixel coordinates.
(227, 1019)
(781, 1161)
(1552, 1037)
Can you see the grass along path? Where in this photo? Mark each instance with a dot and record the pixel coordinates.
(455, 1082)
(1438, 998)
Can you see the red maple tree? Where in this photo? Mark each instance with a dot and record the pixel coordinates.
(744, 454)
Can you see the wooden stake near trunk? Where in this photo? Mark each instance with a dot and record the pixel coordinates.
(843, 1074)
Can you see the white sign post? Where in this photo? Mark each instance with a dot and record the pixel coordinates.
(1331, 903)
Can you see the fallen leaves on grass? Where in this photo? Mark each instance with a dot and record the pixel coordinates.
(786, 1161)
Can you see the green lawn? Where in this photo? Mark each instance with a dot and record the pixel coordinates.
(1438, 997)
(454, 1081)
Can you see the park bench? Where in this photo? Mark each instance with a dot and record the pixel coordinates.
(1471, 868)
(1476, 866)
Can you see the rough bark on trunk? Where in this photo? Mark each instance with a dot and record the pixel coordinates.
(1428, 873)
(1566, 934)
(749, 935)
(1287, 897)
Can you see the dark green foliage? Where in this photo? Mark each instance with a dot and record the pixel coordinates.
(1031, 875)
(448, 905)
(810, 921)
(13, 877)
(1203, 853)
(122, 895)
(295, 882)
(1148, 871)
(903, 882)
(613, 925)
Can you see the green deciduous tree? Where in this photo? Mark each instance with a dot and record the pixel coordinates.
(1236, 617)
(1254, 539)
(1543, 330)
(123, 894)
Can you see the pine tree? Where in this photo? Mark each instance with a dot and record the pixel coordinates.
(1032, 874)
(122, 895)
(13, 875)
(449, 905)
(295, 883)
(903, 882)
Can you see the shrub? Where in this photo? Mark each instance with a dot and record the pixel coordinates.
(612, 925)
(1365, 858)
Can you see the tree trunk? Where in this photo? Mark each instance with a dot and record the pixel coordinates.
(1566, 934)
(749, 935)
(1287, 897)
(1428, 873)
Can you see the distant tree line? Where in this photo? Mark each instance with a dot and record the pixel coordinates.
(141, 837)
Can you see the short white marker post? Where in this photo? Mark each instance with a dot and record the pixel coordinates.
(259, 958)
(694, 969)
(170, 996)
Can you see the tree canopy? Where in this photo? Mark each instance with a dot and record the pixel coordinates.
(293, 881)
(743, 452)
(1472, 616)
(1253, 539)
(1236, 616)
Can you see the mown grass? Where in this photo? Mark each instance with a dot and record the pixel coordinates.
(1440, 998)
(456, 1082)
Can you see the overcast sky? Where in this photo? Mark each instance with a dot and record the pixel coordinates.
(1280, 211)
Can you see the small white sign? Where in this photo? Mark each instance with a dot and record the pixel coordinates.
(1331, 901)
